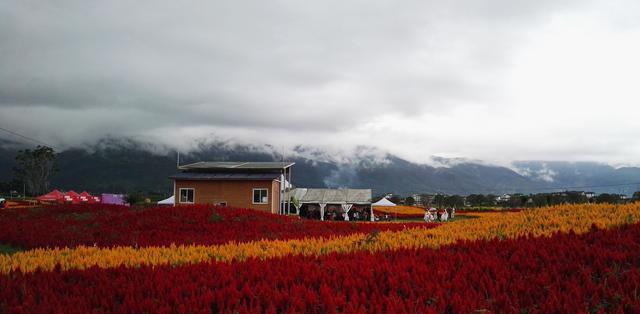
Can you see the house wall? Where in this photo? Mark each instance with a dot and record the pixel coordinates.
(234, 193)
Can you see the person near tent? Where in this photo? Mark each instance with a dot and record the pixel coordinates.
(453, 212)
(3, 203)
(445, 216)
(428, 217)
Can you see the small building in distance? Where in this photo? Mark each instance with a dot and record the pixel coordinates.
(256, 185)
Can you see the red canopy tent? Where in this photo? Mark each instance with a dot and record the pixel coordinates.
(72, 197)
(53, 196)
(85, 197)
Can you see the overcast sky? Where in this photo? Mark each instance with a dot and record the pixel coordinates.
(491, 80)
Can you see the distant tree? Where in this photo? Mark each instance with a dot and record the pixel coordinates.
(35, 167)
(13, 185)
(574, 197)
(454, 201)
(395, 199)
(477, 200)
(539, 200)
(134, 198)
(636, 196)
(439, 200)
(490, 200)
(410, 201)
(607, 198)
(517, 200)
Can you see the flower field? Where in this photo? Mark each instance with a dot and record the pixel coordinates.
(399, 211)
(113, 225)
(570, 258)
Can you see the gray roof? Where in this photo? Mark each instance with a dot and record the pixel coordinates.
(332, 196)
(231, 165)
(204, 176)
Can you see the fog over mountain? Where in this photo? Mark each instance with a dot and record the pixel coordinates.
(125, 165)
(496, 81)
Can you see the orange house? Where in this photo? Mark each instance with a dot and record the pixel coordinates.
(256, 185)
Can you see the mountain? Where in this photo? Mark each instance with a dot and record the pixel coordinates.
(124, 165)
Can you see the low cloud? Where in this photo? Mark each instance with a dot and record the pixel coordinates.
(497, 81)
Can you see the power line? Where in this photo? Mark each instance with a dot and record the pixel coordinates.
(26, 137)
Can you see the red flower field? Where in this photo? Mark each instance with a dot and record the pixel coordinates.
(597, 272)
(111, 225)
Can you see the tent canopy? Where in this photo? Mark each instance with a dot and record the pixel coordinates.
(73, 194)
(54, 195)
(85, 197)
(169, 201)
(331, 196)
(383, 202)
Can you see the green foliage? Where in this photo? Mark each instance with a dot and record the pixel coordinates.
(134, 198)
(608, 198)
(410, 201)
(215, 217)
(8, 250)
(35, 167)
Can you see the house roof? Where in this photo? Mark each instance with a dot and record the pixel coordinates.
(332, 196)
(237, 165)
(204, 176)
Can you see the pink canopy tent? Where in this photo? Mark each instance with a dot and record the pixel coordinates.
(53, 196)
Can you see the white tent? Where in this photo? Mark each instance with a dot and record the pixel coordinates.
(383, 202)
(346, 198)
(170, 201)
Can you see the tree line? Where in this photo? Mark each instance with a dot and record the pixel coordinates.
(512, 200)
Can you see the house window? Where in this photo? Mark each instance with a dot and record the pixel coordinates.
(186, 195)
(260, 196)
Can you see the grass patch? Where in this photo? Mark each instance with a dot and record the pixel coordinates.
(8, 250)
(215, 218)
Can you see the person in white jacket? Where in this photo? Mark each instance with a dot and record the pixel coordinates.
(445, 216)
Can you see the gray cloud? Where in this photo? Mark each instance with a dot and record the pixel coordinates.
(290, 71)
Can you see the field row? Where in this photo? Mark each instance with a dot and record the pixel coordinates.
(594, 272)
(112, 225)
(541, 222)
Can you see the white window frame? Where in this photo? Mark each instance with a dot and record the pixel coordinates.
(253, 193)
(180, 195)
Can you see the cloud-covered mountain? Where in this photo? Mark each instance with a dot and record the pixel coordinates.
(122, 165)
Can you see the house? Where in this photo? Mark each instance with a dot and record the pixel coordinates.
(256, 185)
(417, 198)
(503, 198)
